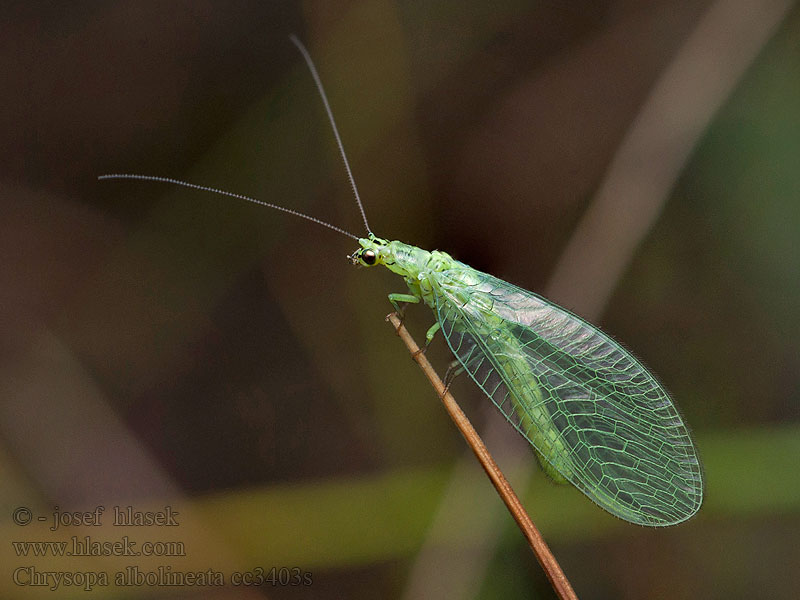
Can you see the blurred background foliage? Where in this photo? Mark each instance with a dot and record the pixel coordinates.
(163, 346)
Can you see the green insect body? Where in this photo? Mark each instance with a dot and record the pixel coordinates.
(419, 268)
(594, 414)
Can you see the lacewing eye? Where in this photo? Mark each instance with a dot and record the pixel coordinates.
(369, 258)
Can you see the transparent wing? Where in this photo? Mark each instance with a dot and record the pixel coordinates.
(591, 410)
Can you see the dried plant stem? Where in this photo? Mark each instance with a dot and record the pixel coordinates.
(551, 567)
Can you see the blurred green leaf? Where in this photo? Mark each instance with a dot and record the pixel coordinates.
(347, 522)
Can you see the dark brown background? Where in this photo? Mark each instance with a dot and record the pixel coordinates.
(163, 345)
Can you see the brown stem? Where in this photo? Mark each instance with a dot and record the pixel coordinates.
(551, 567)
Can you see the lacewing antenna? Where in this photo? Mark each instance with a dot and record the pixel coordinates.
(307, 57)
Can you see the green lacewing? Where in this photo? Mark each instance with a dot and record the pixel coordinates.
(593, 414)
